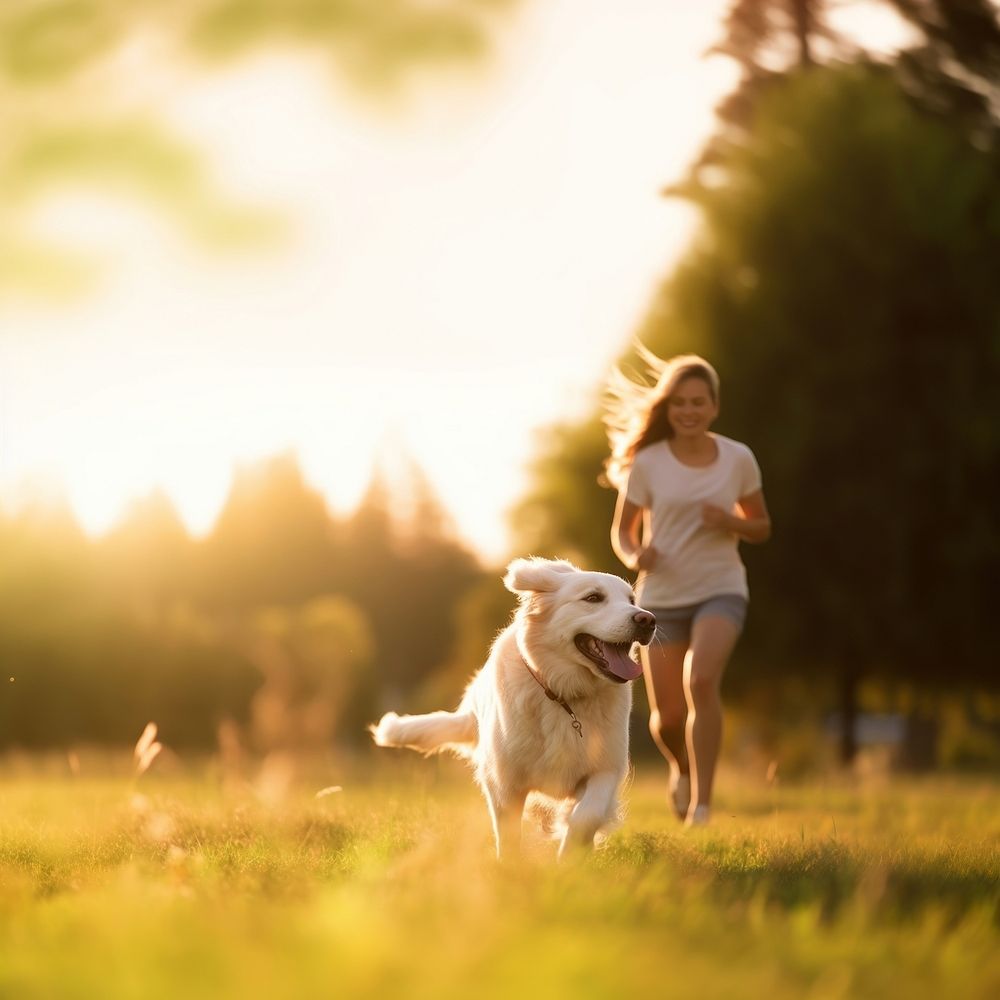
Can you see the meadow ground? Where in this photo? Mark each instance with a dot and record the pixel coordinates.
(176, 886)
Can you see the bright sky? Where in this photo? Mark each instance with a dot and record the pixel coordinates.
(461, 272)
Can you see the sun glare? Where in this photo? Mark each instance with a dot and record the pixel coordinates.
(453, 276)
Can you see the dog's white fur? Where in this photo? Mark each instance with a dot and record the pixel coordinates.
(518, 740)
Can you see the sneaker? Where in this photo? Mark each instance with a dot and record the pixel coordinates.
(698, 816)
(680, 793)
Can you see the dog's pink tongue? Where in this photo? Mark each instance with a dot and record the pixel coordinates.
(620, 664)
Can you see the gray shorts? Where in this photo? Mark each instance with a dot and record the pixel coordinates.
(674, 624)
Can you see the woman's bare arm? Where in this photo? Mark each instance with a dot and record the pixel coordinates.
(752, 522)
(626, 536)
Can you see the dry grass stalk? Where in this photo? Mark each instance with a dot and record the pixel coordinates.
(146, 749)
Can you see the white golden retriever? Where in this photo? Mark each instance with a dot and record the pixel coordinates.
(548, 712)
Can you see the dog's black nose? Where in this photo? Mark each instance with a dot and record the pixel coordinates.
(644, 619)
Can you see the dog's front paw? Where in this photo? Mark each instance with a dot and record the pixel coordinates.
(575, 846)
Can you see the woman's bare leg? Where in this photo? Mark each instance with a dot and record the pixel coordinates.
(663, 669)
(712, 641)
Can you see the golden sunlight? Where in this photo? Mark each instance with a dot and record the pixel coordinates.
(447, 275)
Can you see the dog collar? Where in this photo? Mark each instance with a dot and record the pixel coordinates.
(552, 696)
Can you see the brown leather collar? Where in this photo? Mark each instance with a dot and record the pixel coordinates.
(552, 696)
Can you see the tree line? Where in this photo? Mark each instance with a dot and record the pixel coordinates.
(291, 624)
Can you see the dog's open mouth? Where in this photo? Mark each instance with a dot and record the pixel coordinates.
(611, 658)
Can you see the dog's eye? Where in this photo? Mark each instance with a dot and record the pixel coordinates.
(594, 598)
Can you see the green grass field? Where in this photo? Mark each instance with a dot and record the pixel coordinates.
(174, 888)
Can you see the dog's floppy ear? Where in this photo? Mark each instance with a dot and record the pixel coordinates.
(536, 576)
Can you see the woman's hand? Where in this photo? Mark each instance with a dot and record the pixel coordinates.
(716, 517)
(751, 524)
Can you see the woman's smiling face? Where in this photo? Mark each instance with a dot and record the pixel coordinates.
(692, 408)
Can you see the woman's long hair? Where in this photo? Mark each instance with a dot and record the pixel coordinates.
(636, 410)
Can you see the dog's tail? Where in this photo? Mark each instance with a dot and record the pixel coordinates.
(456, 731)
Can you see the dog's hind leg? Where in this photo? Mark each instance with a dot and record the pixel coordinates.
(505, 812)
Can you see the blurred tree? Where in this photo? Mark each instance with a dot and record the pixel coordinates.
(565, 515)
(951, 70)
(482, 611)
(274, 541)
(76, 116)
(844, 269)
(771, 35)
(409, 573)
(769, 40)
(312, 660)
(954, 69)
(44, 558)
(148, 557)
(101, 637)
(79, 665)
(842, 283)
(951, 73)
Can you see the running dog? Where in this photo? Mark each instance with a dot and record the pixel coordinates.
(547, 715)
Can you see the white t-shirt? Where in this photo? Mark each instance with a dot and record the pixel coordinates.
(695, 562)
